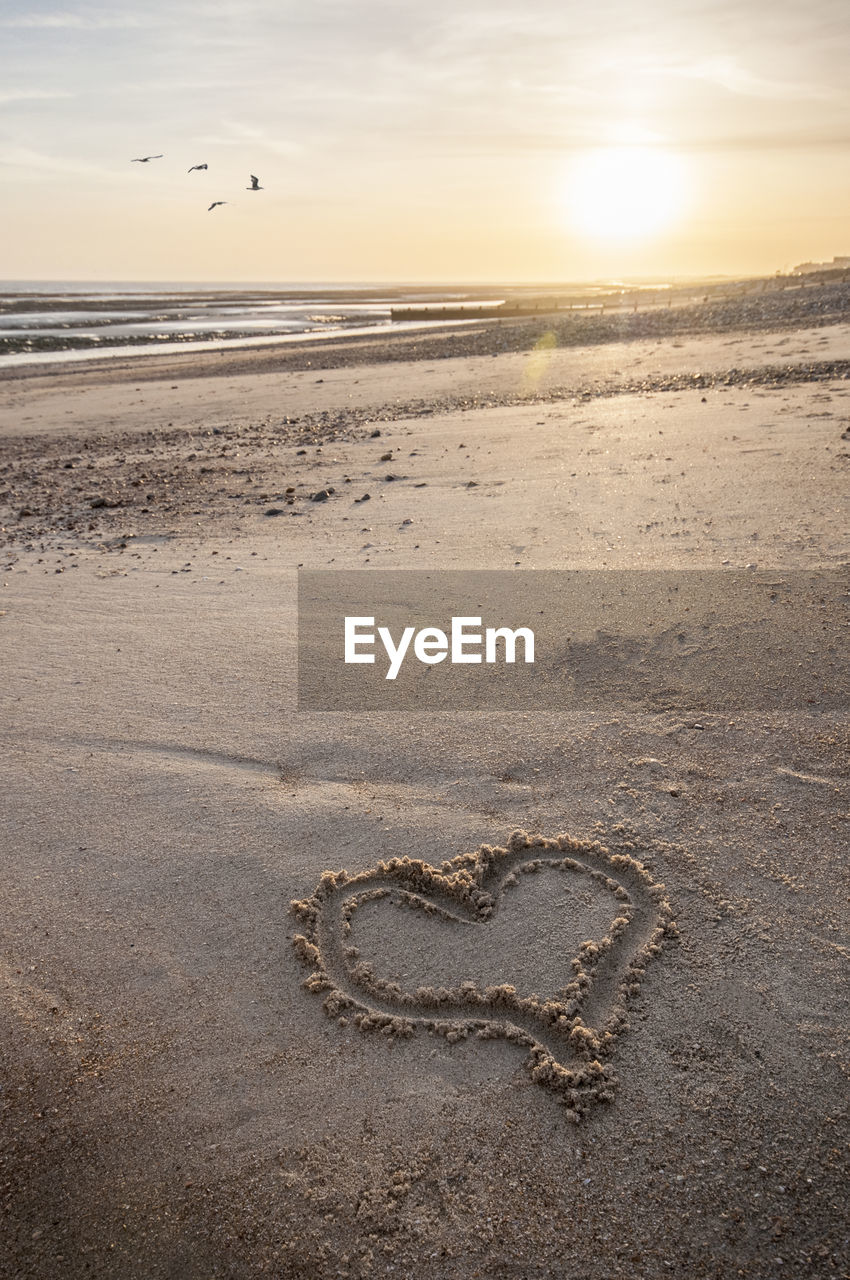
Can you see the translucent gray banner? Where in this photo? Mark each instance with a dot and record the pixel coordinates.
(699, 640)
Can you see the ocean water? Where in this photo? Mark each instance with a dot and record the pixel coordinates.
(44, 321)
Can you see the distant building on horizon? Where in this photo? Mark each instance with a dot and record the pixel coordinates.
(806, 268)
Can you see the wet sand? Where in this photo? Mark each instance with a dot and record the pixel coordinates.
(175, 1101)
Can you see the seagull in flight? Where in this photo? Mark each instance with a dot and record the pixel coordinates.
(215, 205)
(198, 166)
(255, 184)
(145, 159)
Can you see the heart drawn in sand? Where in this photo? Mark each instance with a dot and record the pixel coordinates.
(473, 921)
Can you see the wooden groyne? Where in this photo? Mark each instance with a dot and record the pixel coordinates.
(473, 311)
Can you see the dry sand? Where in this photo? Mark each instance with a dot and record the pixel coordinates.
(175, 1103)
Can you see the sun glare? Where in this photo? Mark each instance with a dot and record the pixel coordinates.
(625, 193)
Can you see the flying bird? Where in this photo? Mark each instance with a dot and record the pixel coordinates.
(215, 205)
(255, 184)
(145, 159)
(198, 166)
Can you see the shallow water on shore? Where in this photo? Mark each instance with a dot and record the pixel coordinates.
(46, 321)
(49, 320)
(104, 351)
(79, 325)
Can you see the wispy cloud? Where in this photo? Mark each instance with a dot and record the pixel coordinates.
(729, 74)
(38, 164)
(234, 134)
(66, 20)
(518, 144)
(31, 95)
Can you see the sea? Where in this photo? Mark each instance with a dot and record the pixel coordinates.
(61, 321)
(47, 321)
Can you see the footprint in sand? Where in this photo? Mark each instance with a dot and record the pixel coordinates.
(543, 943)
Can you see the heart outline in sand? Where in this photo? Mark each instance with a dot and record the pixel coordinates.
(570, 1036)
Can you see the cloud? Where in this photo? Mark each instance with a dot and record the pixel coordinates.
(235, 134)
(40, 164)
(727, 73)
(519, 144)
(65, 20)
(8, 96)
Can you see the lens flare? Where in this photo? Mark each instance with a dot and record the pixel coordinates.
(538, 360)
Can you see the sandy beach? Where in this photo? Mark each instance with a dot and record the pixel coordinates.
(175, 1101)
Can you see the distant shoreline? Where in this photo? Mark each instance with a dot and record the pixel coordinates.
(54, 323)
(810, 305)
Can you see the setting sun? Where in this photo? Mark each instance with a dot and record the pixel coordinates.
(625, 192)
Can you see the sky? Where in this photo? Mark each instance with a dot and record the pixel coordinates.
(488, 141)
